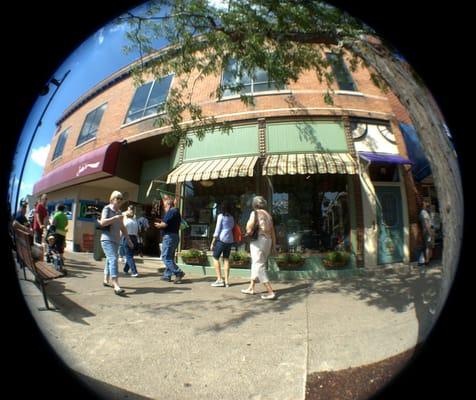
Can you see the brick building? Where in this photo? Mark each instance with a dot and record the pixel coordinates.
(335, 176)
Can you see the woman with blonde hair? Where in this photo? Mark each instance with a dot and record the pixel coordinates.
(112, 225)
(261, 247)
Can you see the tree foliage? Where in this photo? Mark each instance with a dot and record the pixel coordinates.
(284, 38)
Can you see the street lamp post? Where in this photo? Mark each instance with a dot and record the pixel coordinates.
(42, 93)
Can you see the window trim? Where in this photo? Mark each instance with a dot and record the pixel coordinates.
(285, 90)
(344, 64)
(53, 158)
(350, 93)
(84, 122)
(136, 121)
(125, 122)
(85, 143)
(267, 93)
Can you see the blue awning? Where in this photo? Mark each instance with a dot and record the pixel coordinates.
(383, 158)
(421, 167)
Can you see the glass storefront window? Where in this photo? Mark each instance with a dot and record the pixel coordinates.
(202, 204)
(90, 210)
(380, 172)
(311, 213)
(68, 208)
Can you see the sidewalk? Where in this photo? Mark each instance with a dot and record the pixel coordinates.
(192, 341)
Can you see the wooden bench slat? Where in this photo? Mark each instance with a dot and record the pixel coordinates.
(47, 270)
(40, 269)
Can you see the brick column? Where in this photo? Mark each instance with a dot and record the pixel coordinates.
(359, 220)
(412, 193)
(359, 211)
(181, 151)
(260, 181)
(348, 136)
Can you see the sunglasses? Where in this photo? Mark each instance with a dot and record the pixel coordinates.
(119, 198)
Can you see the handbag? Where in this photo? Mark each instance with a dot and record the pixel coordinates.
(254, 234)
(237, 234)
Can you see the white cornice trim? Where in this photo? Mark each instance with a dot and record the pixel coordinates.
(335, 112)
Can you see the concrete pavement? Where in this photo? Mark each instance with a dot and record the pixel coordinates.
(192, 341)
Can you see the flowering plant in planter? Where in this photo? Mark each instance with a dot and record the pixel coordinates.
(290, 261)
(336, 259)
(194, 257)
(240, 259)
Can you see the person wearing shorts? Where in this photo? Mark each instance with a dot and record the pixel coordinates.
(221, 245)
(60, 221)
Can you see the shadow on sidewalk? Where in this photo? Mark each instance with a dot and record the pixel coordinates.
(77, 264)
(107, 391)
(397, 291)
(132, 291)
(59, 297)
(238, 306)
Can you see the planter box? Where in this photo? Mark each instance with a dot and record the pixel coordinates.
(245, 264)
(290, 266)
(195, 260)
(335, 264)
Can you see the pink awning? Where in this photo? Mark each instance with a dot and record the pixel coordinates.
(98, 163)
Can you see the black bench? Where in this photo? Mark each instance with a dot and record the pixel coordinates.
(42, 271)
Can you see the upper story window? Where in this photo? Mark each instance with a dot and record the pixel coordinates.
(60, 144)
(341, 73)
(148, 98)
(257, 82)
(91, 125)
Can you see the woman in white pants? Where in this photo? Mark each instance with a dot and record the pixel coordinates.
(262, 247)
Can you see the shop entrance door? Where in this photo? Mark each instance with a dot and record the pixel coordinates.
(390, 224)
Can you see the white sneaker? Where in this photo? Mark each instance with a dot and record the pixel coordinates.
(218, 283)
(135, 275)
(268, 296)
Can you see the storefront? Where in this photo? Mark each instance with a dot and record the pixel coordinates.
(305, 171)
(384, 198)
(84, 185)
(423, 177)
(335, 191)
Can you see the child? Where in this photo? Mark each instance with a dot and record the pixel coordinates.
(52, 254)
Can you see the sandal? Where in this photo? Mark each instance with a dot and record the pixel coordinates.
(247, 291)
(105, 284)
(119, 291)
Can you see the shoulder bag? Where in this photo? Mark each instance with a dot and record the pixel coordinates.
(254, 234)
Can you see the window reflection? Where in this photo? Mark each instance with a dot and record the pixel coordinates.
(311, 213)
(203, 204)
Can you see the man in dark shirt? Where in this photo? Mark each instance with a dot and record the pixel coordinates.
(21, 221)
(171, 225)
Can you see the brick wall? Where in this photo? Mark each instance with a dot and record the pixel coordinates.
(400, 111)
(307, 100)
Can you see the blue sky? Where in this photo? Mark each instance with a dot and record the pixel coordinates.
(97, 58)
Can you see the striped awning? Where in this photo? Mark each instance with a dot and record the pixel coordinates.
(313, 163)
(213, 169)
